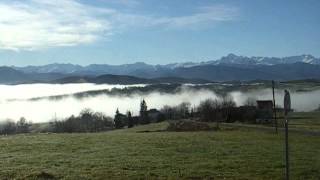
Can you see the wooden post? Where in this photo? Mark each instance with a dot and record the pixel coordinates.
(287, 109)
(274, 108)
(287, 148)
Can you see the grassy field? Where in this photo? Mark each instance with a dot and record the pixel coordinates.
(305, 120)
(232, 153)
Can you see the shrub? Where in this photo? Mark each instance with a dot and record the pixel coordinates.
(209, 110)
(10, 127)
(87, 121)
(187, 125)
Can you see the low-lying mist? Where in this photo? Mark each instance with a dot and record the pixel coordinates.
(44, 110)
(28, 91)
(300, 101)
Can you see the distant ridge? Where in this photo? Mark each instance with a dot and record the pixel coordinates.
(130, 69)
(9, 75)
(122, 79)
(227, 68)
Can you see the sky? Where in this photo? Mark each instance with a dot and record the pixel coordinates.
(38, 32)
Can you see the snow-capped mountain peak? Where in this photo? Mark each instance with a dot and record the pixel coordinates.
(232, 59)
(229, 60)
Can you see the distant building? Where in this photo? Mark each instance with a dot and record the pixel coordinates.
(153, 114)
(265, 105)
(264, 111)
(135, 120)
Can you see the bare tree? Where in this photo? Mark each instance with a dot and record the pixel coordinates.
(250, 101)
(22, 126)
(167, 111)
(184, 109)
(209, 110)
(227, 105)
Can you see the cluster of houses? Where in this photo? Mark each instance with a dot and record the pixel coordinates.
(261, 113)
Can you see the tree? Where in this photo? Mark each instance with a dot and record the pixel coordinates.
(227, 105)
(8, 127)
(250, 101)
(118, 120)
(130, 120)
(144, 119)
(184, 110)
(167, 111)
(86, 118)
(22, 126)
(208, 110)
(87, 121)
(192, 112)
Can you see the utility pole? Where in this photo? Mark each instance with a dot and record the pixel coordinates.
(287, 109)
(274, 108)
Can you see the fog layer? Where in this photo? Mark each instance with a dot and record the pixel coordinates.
(300, 101)
(27, 91)
(45, 110)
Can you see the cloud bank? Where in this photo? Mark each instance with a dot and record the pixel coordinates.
(39, 24)
(28, 91)
(45, 109)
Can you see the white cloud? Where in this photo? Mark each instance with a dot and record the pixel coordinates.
(204, 16)
(129, 3)
(38, 24)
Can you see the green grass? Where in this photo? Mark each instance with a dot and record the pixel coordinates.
(132, 154)
(305, 120)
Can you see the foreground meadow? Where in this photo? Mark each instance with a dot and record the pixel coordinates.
(147, 152)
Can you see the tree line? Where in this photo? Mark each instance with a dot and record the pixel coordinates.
(10, 127)
(223, 109)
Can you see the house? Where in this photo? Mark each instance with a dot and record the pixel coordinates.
(244, 114)
(265, 105)
(154, 114)
(264, 111)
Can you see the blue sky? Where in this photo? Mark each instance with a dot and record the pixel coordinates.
(36, 32)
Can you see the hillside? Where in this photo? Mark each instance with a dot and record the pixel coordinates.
(135, 153)
(11, 76)
(123, 79)
(228, 73)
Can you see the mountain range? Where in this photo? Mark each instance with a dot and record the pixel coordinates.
(227, 68)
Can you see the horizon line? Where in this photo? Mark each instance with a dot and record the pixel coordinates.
(159, 64)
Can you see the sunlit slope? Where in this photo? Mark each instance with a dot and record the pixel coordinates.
(147, 152)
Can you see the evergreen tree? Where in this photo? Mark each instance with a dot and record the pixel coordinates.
(118, 120)
(130, 120)
(144, 119)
